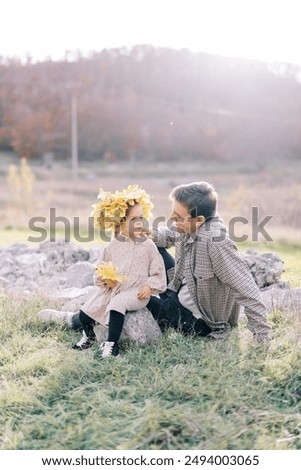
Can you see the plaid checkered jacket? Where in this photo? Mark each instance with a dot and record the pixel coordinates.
(218, 279)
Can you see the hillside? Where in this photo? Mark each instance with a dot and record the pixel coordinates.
(152, 103)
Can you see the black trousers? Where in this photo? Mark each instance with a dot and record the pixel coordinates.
(169, 312)
(168, 260)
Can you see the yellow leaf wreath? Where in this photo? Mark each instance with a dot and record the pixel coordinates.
(111, 208)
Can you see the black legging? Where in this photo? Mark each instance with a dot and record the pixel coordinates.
(87, 323)
(116, 321)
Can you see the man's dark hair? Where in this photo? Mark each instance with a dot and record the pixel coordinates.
(199, 198)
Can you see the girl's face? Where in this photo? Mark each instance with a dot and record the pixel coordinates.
(134, 222)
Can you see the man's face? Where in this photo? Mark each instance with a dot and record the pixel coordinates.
(183, 221)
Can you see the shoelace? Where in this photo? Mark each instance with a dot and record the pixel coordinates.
(84, 339)
(106, 348)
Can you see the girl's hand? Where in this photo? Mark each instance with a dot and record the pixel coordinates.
(109, 283)
(144, 293)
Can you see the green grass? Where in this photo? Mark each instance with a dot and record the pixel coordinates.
(180, 393)
(9, 236)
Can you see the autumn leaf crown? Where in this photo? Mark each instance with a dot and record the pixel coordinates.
(112, 207)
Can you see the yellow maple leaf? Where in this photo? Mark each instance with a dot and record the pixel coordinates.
(109, 271)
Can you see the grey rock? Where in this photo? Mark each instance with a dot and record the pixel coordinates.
(80, 274)
(139, 327)
(63, 254)
(3, 282)
(74, 292)
(7, 270)
(33, 272)
(73, 298)
(266, 268)
(7, 264)
(30, 259)
(49, 246)
(17, 248)
(94, 254)
(20, 282)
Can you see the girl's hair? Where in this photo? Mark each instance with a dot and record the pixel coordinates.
(117, 229)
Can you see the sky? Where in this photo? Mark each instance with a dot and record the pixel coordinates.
(266, 30)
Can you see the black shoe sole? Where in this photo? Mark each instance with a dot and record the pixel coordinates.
(83, 347)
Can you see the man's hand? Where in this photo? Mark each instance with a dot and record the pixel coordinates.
(109, 283)
(146, 232)
(144, 293)
(263, 339)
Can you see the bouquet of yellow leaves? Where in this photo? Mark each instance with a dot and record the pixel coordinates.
(112, 207)
(109, 271)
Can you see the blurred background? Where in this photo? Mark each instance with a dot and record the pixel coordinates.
(157, 93)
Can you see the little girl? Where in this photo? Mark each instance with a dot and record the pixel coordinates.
(135, 258)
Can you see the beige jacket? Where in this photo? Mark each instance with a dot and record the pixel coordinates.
(142, 263)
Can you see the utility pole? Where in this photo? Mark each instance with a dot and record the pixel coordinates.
(74, 137)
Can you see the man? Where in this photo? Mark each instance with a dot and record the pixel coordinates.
(211, 280)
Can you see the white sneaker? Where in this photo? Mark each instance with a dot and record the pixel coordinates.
(109, 348)
(56, 316)
(84, 343)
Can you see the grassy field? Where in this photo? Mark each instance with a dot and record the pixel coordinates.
(180, 393)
